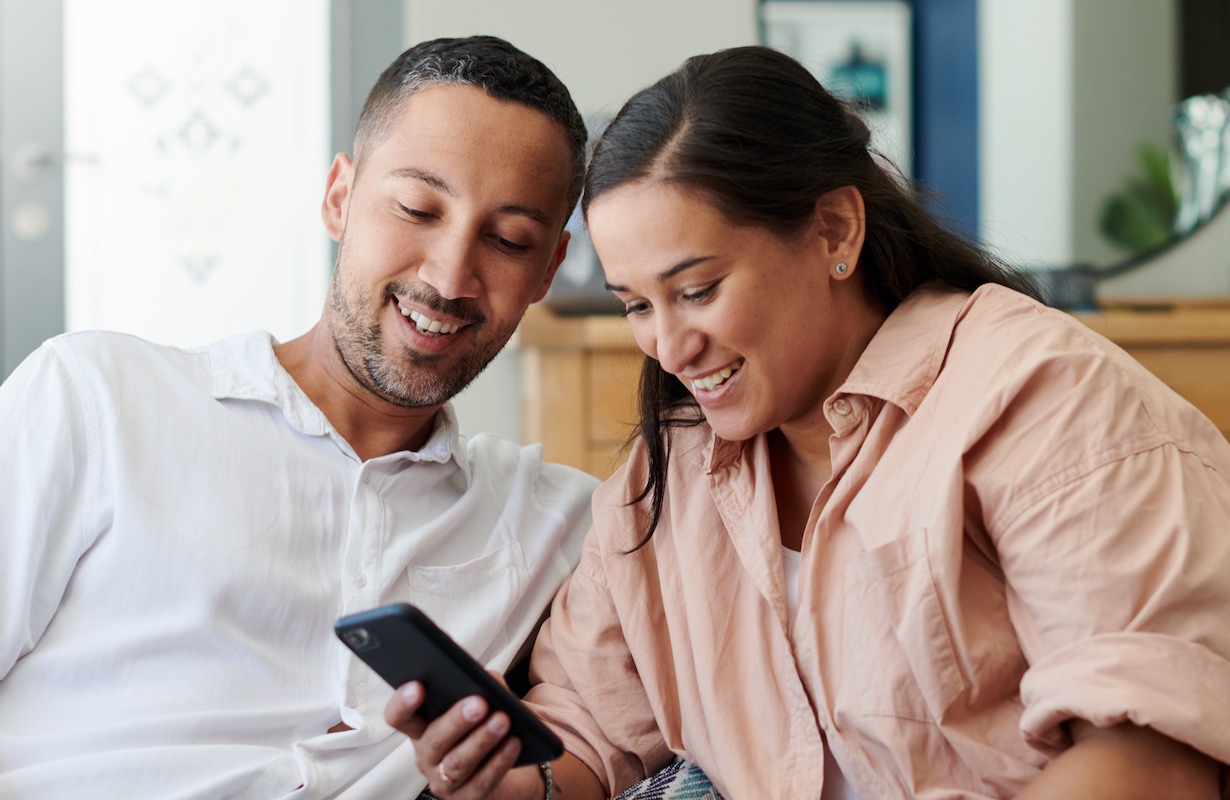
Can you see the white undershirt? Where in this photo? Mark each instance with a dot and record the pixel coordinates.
(791, 563)
(835, 785)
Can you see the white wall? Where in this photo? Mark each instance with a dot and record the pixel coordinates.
(1125, 81)
(603, 52)
(1025, 130)
(1068, 91)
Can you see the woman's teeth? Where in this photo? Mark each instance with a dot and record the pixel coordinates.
(716, 379)
(426, 324)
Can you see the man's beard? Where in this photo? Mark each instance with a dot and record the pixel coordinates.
(408, 378)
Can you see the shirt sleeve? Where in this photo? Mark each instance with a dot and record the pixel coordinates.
(45, 480)
(1119, 588)
(587, 686)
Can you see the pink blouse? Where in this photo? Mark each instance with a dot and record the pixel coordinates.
(1023, 527)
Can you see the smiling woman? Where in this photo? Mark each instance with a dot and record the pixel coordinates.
(869, 476)
(703, 301)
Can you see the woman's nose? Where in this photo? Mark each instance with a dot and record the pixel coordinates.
(676, 344)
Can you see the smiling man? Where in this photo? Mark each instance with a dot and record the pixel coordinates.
(182, 527)
(450, 222)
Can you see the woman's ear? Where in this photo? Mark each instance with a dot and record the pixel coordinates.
(337, 196)
(841, 221)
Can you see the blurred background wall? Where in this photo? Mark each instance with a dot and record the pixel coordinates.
(1044, 121)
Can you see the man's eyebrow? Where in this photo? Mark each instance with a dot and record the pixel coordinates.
(438, 183)
(415, 174)
(667, 274)
(529, 212)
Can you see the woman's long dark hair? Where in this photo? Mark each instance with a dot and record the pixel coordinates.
(756, 134)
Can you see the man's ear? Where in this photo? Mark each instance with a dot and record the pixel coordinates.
(337, 196)
(561, 250)
(841, 222)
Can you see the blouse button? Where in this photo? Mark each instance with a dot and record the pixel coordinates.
(841, 406)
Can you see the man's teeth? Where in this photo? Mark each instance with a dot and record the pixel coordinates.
(716, 379)
(426, 324)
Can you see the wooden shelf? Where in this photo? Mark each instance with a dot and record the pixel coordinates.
(1197, 325)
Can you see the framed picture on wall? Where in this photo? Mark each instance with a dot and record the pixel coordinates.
(860, 50)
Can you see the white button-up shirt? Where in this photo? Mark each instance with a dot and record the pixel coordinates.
(178, 531)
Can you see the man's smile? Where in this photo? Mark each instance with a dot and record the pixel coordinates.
(426, 324)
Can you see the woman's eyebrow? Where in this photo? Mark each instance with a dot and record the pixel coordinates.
(667, 274)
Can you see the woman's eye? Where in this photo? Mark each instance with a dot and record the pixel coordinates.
(700, 295)
(635, 308)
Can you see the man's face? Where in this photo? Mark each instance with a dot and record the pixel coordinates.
(451, 227)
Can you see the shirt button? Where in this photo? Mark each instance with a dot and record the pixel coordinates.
(841, 406)
(359, 580)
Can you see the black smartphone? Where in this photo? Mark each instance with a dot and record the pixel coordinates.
(402, 644)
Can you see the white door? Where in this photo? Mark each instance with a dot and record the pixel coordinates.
(162, 163)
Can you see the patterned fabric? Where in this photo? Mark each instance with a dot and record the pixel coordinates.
(678, 781)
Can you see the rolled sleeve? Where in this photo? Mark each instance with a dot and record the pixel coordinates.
(1176, 687)
(587, 687)
(1120, 593)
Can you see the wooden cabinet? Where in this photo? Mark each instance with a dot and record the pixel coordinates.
(579, 374)
(578, 388)
(1187, 345)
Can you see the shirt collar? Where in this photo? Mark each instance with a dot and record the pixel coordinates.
(719, 452)
(246, 368)
(903, 359)
(899, 365)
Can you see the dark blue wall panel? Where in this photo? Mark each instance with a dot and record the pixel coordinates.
(946, 106)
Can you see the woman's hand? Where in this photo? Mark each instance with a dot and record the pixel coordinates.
(466, 753)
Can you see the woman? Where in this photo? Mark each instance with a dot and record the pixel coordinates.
(891, 528)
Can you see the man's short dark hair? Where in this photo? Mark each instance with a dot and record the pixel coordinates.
(485, 62)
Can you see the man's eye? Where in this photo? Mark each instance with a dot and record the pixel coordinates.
(415, 213)
(510, 245)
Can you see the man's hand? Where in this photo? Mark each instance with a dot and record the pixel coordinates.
(466, 753)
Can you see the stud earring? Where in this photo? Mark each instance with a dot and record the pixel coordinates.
(841, 268)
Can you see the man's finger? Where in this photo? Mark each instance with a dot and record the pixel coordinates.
(402, 710)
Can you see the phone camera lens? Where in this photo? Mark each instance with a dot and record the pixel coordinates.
(360, 639)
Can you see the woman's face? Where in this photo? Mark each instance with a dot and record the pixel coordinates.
(753, 324)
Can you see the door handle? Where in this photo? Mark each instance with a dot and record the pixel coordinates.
(32, 162)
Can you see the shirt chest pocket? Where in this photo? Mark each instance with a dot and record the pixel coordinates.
(472, 601)
(897, 657)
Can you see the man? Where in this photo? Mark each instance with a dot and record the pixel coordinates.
(181, 527)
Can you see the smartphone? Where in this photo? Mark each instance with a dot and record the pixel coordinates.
(402, 644)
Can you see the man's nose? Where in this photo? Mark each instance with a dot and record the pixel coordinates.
(451, 267)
